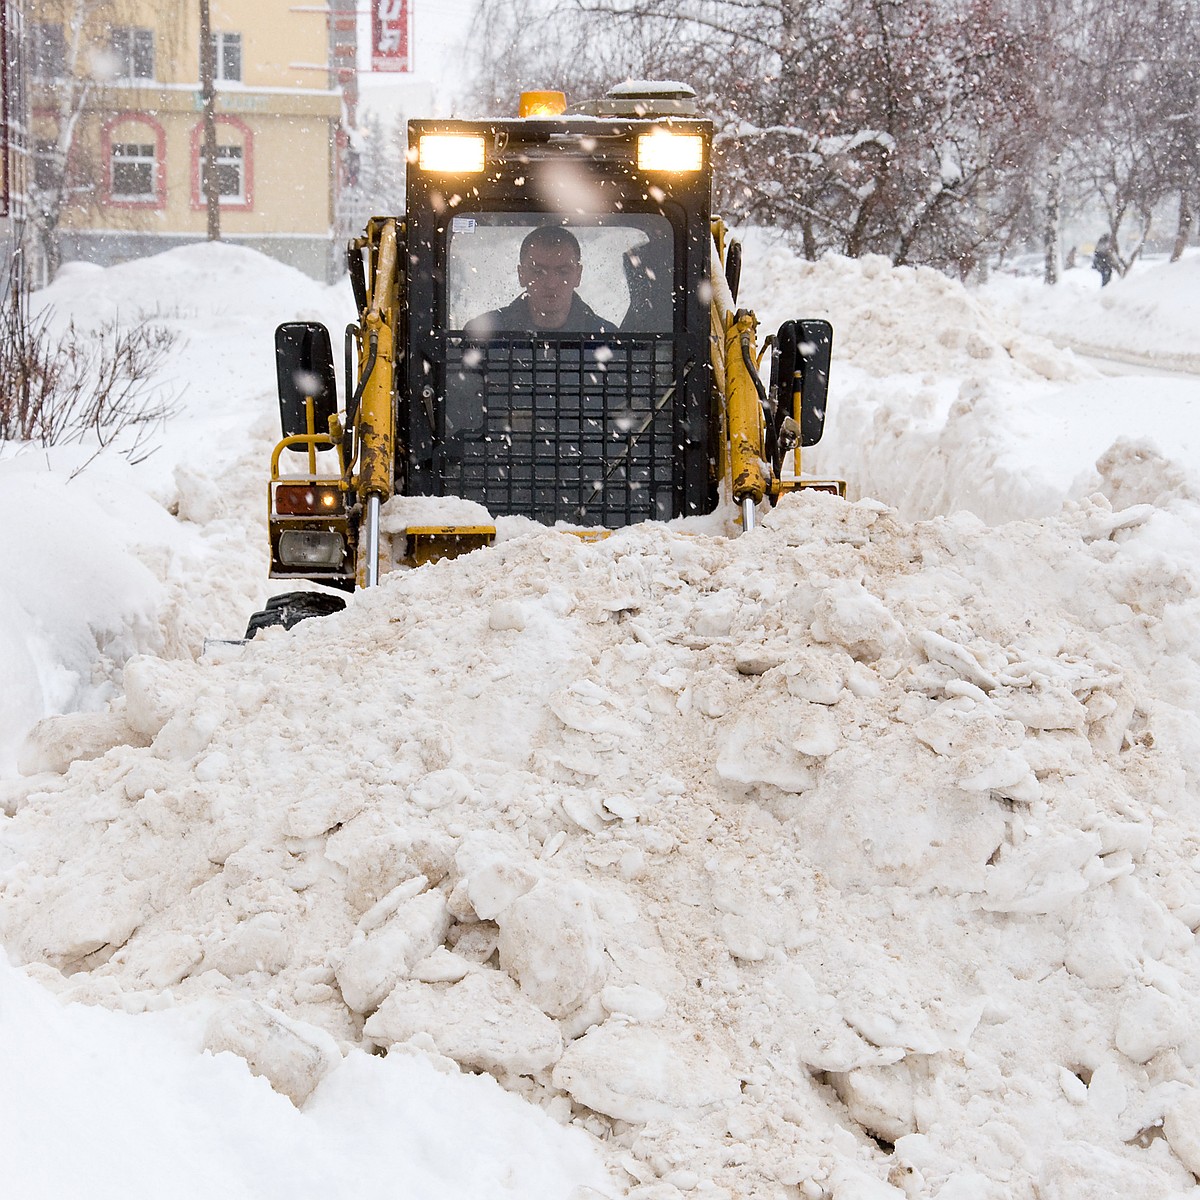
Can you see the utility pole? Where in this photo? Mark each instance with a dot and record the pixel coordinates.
(208, 164)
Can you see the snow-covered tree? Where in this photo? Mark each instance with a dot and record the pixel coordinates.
(73, 62)
(377, 186)
(932, 131)
(890, 130)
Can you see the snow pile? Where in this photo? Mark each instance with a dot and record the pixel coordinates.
(852, 856)
(929, 385)
(944, 397)
(59, 655)
(893, 320)
(935, 405)
(152, 559)
(110, 1106)
(222, 302)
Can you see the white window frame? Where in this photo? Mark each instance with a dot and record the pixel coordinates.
(230, 155)
(129, 42)
(139, 157)
(222, 41)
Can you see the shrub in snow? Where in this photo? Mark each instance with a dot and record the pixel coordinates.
(80, 384)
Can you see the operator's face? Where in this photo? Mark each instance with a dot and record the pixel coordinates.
(549, 275)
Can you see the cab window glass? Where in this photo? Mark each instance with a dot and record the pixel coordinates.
(625, 276)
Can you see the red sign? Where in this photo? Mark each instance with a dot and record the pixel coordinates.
(389, 35)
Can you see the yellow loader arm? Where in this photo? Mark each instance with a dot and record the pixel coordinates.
(371, 411)
(759, 427)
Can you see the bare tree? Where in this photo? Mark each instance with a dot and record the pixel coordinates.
(208, 97)
(83, 386)
(1172, 114)
(865, 126)
(74, 67)
(932, 131)
(69, 59)
(1055, 33)
(1119, 110)
(563, 45)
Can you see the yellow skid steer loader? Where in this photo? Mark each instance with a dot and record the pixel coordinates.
(549, 330)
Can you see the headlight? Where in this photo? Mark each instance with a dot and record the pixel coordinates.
(450, 153)
(311, 548)
(663, 151)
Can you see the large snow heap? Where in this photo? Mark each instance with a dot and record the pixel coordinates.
(854, 857)
(846, 849)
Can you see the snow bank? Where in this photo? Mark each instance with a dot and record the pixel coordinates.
(103, 1105)
(892, 321)
(944, 398)
(852, 850)
(855, 857)
(1150, 317)
(117, 560)
(936, 405)
(929, 387)
(222, 303)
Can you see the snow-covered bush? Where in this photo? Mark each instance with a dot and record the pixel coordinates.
(84, 384)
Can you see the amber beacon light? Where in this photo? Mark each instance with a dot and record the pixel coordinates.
(542, 104)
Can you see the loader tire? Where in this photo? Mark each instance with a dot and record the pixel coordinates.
(293, 607)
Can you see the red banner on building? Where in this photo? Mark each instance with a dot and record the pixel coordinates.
(389, 35)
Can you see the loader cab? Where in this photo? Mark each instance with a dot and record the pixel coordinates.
(555, 316)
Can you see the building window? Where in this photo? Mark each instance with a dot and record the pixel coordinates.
(234, 164)
(134, 150)
(227, 57)
(47, 51)
(231, 175)
(134, 171)
(133, 53)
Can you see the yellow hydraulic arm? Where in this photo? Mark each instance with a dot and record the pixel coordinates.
(749, 472)
(735, 369)
(375, 419)
(749, 468)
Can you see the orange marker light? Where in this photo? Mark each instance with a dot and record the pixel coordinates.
(306, 499)
(543, 104)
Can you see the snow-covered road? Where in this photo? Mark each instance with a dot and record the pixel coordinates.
(1133, 364)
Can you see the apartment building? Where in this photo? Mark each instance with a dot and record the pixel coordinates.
(119, 129)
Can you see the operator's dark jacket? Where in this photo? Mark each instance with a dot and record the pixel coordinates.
(516, 318)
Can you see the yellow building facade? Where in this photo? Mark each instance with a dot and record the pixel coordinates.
(128, 72)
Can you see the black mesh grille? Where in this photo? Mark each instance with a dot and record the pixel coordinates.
(564, 428)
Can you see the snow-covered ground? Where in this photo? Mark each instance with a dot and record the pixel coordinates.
(856, 857)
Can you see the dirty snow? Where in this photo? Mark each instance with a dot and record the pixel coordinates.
(855, 857)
